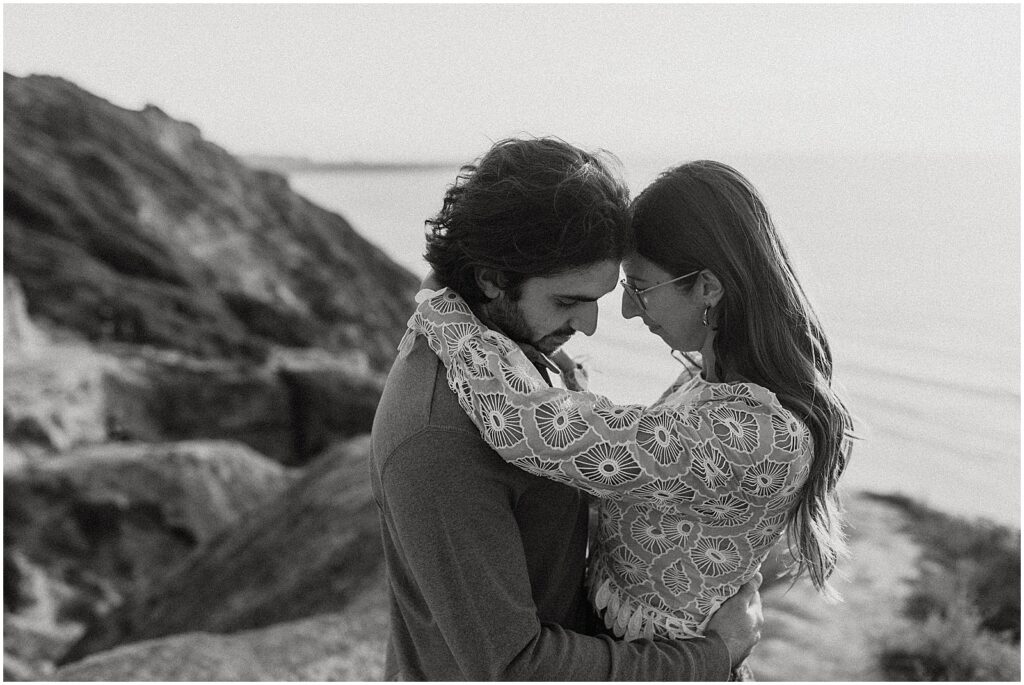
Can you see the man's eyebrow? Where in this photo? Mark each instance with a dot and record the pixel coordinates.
(578, 298)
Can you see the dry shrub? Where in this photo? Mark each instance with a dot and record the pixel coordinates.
(952, 646)
(966, 600)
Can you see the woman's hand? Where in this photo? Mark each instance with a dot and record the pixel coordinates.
(738, 621)
(574, 376)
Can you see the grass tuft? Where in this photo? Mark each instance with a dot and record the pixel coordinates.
(966, 600)
(952, 646)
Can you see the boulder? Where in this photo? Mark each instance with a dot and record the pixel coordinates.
(347, 645)
(83, 530)
(332, 398)
(310, 551)
(159, 395)
(199, 487)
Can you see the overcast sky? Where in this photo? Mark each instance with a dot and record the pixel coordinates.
(440, 82)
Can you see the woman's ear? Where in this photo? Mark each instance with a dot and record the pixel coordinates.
(491, 283)
(710, 288)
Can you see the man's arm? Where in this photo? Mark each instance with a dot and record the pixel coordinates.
(461, 541)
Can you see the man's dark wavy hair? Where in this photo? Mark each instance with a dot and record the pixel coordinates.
(527, 208)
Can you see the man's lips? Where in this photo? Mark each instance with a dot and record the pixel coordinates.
(556, 340)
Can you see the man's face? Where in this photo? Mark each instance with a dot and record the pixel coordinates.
(550, 309)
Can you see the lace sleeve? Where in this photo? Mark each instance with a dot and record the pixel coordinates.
(609, 450)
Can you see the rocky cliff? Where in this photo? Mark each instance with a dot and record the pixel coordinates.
(128, 226)
(193, 355)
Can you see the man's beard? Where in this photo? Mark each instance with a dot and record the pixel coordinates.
(506, 316)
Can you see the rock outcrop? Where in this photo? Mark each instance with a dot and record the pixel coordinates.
(311, 550)
(84, 530)
(196, 488)
(128, 226)
(330, 647)
(289, 407)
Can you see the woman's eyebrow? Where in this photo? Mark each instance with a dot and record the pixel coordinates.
(636, 280)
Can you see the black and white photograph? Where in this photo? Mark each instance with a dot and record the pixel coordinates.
(512, 341)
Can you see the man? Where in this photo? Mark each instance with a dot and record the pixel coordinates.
(485, 562)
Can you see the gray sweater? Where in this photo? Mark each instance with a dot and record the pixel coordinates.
(485, 562)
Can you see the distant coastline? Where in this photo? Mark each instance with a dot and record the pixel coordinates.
(286, 165)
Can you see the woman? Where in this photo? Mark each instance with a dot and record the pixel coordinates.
(696, 489)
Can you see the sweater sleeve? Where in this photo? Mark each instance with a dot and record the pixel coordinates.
(609, 450)
(461, 545)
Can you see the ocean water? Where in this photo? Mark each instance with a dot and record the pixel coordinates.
(913, 266)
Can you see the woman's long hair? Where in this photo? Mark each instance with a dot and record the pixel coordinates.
(706, 215)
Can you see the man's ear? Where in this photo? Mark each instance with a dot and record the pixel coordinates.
(492, 283)
(711, 289)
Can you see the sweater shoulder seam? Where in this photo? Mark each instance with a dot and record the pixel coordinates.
(418, 433)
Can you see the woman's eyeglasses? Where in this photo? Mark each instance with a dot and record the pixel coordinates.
(640, 296)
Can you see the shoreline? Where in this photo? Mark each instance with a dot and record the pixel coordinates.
(301, 165)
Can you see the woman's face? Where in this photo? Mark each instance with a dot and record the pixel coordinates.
(673, 312)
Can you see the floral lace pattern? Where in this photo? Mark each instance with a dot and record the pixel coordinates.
(694, 490)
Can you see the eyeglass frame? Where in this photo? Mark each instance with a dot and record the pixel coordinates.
(638, 295)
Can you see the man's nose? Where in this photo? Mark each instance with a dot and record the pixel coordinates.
(586, 321)
(629, 306)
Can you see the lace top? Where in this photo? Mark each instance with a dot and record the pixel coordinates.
(694, 490)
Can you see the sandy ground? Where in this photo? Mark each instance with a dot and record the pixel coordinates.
(805, 638)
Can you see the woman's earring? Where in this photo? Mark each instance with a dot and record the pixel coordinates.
(704, 316)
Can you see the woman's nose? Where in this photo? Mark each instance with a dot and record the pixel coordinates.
(629, 306)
